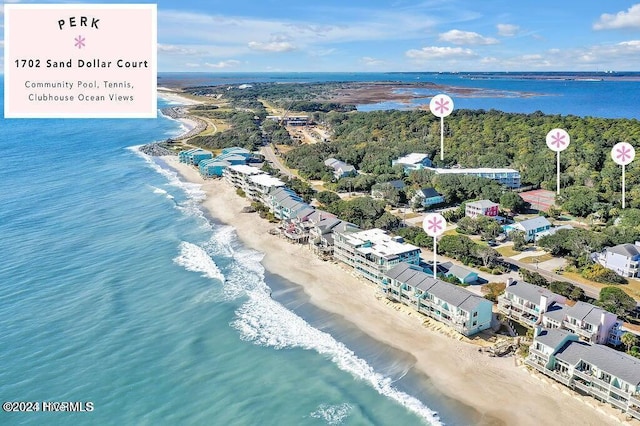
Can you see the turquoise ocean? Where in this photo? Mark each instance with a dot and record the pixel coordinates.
(116, 288)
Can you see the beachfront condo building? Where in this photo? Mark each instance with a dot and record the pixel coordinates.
(194, 156)
(524, 302)
(373, 252)
(285, 203)
(507, 177)
(599, 371)
(460, 309)
(253, 182)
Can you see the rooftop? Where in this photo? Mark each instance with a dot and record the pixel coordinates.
(472, 171)
(553, 337)
(529, 292)
(609, 360)
(413, 158)
(246, 170)
(534, 223)
(382, 244)
(586, 312)
(265, 180)
(629, 250)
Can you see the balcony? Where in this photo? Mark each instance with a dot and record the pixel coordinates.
(619, 392)
(539, 353)
(634, 413)
(617, 403)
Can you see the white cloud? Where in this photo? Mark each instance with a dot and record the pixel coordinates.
(223, 64)
(465, 37)
(173, 49)
(507, 30)
(435, 52)
(628, 19)
(272, 46)
(371, 62)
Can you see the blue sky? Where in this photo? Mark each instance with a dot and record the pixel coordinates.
(374, 35)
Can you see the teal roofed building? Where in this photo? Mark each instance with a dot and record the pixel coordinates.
(212, 167)
(237, 150)
(232, 158)
(194, 156)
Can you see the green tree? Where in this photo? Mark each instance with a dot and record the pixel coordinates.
(512, 202)
(616, 301)
(519, 241)
(629, 340)
(327, 197)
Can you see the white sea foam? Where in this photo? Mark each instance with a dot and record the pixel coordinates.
(194, 258)
(157, 190)
(266, 322)
(261, 319)
(332, 414)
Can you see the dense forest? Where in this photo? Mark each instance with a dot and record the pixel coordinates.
(370, 141)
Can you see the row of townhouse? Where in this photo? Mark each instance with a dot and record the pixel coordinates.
(599, 371)
(531, 305)
(465, 312)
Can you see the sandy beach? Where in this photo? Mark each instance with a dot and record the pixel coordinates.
(503, 392)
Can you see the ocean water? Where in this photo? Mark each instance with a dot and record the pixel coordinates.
(596, 94)
(117, 289)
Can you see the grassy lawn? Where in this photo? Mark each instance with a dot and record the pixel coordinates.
(507, 251)
(533, 259)
(450, 232)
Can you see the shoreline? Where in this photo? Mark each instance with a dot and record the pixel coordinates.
(501, 392)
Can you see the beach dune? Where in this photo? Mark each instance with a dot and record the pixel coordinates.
(500, 391)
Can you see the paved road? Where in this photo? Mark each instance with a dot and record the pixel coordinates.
(271, 157)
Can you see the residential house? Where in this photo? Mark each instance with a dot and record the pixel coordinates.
(454, 306)
(377, 193)
(413, 161)
(530, 227)
(604, 373)
(427, 197)
(373, 252)
(525, 303)
(552, 231)
(591, 323)
(507, 177)
(340, 168)
(481, 208)
(623, 259)
(462, 274)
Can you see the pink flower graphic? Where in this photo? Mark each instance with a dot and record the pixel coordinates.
(558, 140)
(80, 42)
(623, 154)
(434, 224)
(441, 105)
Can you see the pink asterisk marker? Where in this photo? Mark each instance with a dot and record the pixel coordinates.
(441, 105)
(434, 225)
(79, 42)
(558, 140)
(622, 153)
